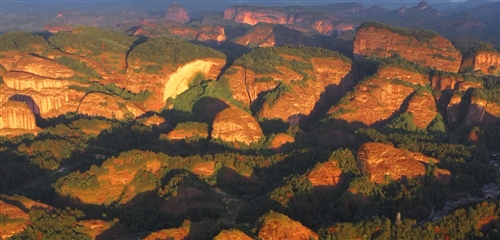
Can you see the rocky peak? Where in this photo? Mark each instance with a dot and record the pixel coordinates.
(235, 125)
(424, 47)
(177, 13)
(422, 5)
(253, 15)
(275, 225)
(380, 160)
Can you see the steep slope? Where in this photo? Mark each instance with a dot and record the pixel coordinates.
(273, 78)
(424, 47)
(372, 102)
(17, 118)
(234, 125)
(423, 108)
(170, 73)
(379, 160)
(275, 225)
(176, 12)
(484, 108)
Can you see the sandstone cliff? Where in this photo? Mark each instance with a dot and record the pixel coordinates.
(423, 47)
(280, 140)
(16, 220)
(326, 174)
(42, 67)
(171, 81)
(232, 234)
(453, 110)
(113, 181)
(379, 160)
(234, 125)
(305, 82)
(278, 226)
(211, 34)
(180, 233)
(17, 118)
(487, 62)
(372, 102)
(253, 15)
(423, 108)
(319, 21)
(176, 12)
(482, 112)
(101, 104)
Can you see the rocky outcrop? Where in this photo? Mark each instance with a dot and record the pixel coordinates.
(419, 46)
(482, 112)
(253, 15)
(453, 110)
(113, 181)
(379, 161)
(268, 35)
(346, 9)
(17, 118)
(280, 140)
(176, 12)
(209, 34)
(271, 94)
(24, 81)
(190, 130)
(487, 62)
(42, 67)
(105, 105)
(327, 174)
(180, 233)
(232, 234)
(278, 226)
(372, 102)
(393, 72)
(423, 108)
(173, 79)
(154, 121)
(234, 125)
(204, 169)
(14, 214)
(16, 220)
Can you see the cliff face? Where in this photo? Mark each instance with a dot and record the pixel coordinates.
(280, 140)
(100, 104)
(254, 15)
(172, 233)
(176, 12)
(17, 118)
(42, 67)
(482, 112)
(114, 180)
(209, 34)
(326, 76)
(436, 52)
(278, 226)
(232, 234)
(320, 21)
(267, 35)
(234, 125)
(23, 81)
(423, 108)
(170, 81)
(453, 110)
(379, 160)
(371, 102)
(326, 174)
(487, 62)
(17, 222)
